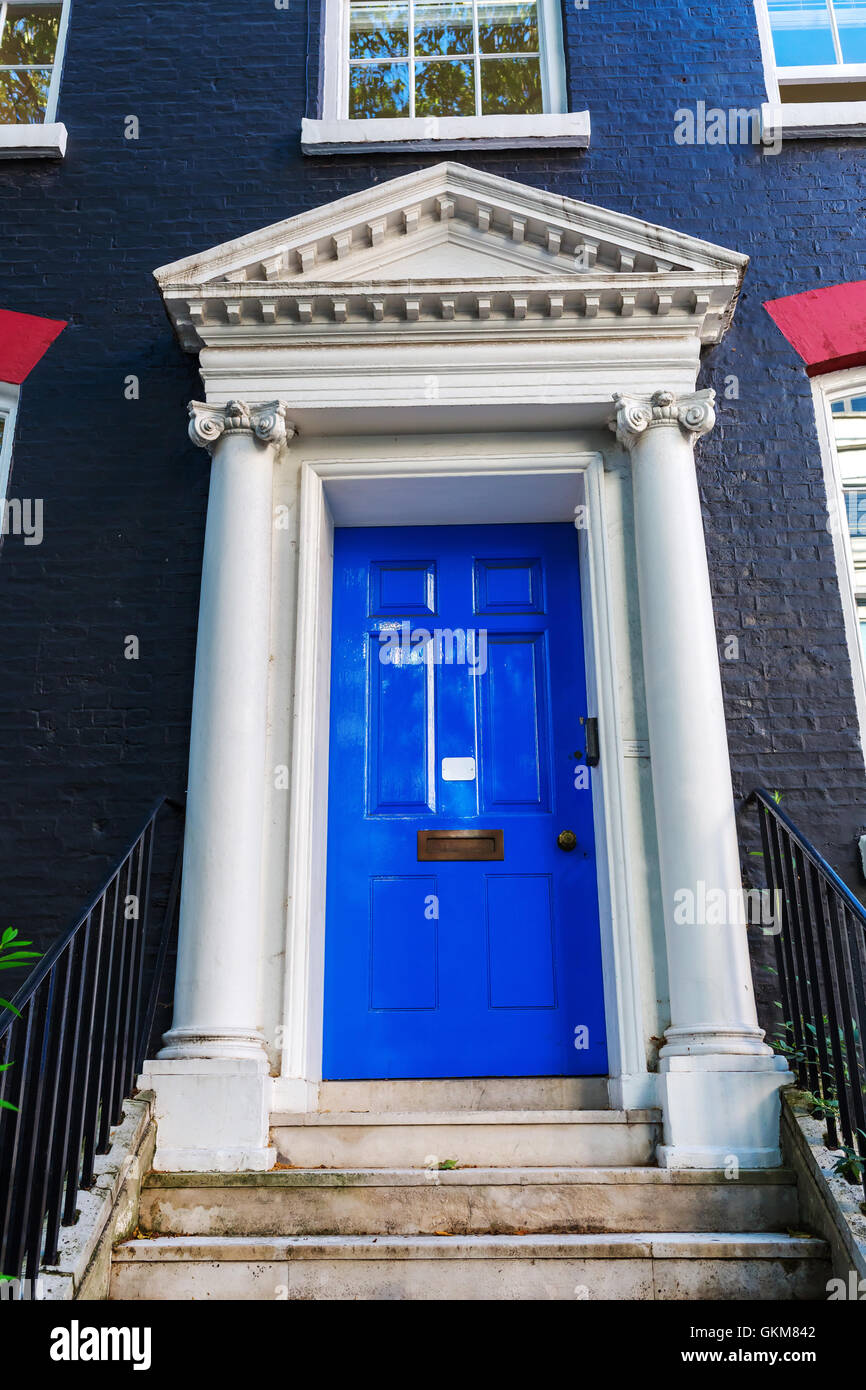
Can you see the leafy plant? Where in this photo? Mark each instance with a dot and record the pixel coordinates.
(13, 953)
(850, 1164)
(822, 1107)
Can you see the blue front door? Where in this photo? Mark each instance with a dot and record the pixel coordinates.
(456, 695)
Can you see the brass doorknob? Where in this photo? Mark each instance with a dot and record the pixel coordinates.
(567, 840)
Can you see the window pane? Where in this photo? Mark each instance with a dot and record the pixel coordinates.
(851, 21)
(378, 30)
(443, 26)
(855, 506)
(802, 36)
(29, 34)
(24, 95)
(511, 87)
(379, 90)
(444, 89)
(507, 26)
(863, 634)
(2, 428)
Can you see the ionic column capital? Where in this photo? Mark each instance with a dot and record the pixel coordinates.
(267, 423)
(692, 415)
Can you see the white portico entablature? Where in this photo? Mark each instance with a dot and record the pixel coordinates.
(452, 255)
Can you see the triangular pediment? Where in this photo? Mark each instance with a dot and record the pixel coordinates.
(443, 254)
(436, 243)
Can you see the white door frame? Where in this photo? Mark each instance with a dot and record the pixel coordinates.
(395, 490)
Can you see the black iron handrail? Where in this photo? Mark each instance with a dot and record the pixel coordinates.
(76, 1045)
(821, 960)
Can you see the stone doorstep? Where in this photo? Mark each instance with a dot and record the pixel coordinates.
(467, 1093)
(526, 1201)
(669, 1245)
(369, 1203)
(465, 1177)
(403, 1119)
(492, 1138)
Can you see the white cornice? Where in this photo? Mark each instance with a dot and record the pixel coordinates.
(451, 252)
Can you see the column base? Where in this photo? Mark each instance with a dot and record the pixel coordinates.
(212, 1114)
(722, 1111)
(181, 1043)
(714, 1040)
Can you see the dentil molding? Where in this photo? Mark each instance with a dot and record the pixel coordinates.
(446, 254)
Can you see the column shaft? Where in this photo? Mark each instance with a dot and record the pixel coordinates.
(216, 992)
(714, 1028)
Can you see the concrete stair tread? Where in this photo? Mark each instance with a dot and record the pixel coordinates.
(474, 1138)
(518, 1198)
(468, 1175)
(674, 1245)
(473, 1093)
(343, 1118)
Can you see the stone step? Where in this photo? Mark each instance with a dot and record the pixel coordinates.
(465, 1201)
(668, 1265)
(468, 1093)
(478, 1138)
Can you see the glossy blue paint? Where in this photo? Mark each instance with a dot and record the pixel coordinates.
(484, 968)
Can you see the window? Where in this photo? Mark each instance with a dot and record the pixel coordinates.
(445, 58)
(8, 409)
(840, 405)
(849, 435)
(428, 74)
(31, 42)
(818, 33)
(819, 49)
(861, 620)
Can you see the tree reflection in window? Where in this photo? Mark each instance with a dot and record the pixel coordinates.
(444, 58)
(28, 43)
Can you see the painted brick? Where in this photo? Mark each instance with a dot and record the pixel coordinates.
(88, 739)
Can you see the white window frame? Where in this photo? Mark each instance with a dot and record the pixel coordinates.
(57, 65)
(826, 389)
(9, 396)
(550, 46)
(807, 119)
(334, 131)
(46, 138)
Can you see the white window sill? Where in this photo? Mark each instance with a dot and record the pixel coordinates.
(47, 141)
(814, 120)
(569, 130)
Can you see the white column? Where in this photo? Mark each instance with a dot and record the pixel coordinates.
(211, 1077)
(720, 1081)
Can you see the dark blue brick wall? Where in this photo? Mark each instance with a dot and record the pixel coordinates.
(89, 738)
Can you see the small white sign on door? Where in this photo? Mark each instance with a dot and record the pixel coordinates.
(458, 769)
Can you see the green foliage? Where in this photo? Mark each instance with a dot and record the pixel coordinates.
(13, 955)
(850, 1164)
